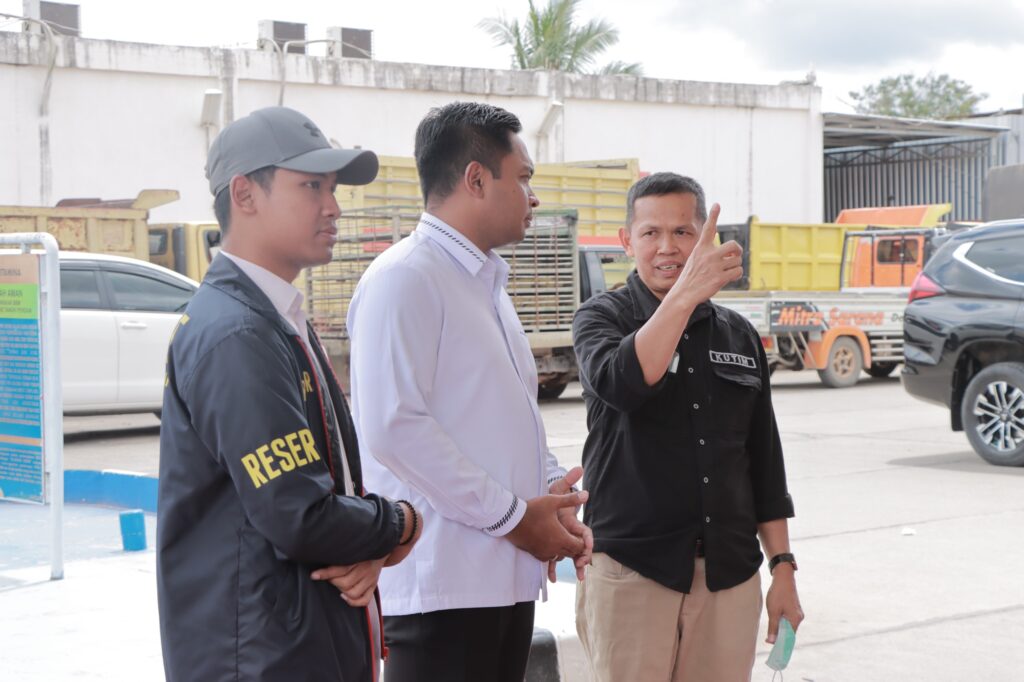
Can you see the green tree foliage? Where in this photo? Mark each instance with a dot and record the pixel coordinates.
(931, 97)
(551, 39)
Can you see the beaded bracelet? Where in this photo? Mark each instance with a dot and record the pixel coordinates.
(415, 522)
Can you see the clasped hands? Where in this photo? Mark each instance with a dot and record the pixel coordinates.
(550, 529)
(358, 582)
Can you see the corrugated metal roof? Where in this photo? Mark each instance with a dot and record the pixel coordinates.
(865, 130)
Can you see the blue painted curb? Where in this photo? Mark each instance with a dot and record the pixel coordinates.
(110, 488)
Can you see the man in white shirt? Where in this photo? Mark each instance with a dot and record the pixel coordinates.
(444, 388)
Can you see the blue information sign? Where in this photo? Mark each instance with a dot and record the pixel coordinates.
(21, 423)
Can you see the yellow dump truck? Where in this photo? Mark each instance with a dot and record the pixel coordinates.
(187, 248)
(121, 228)
(780, 256)
(115, 227)
(596, 190)
(789, 256)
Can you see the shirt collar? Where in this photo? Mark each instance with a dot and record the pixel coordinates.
(454, 242)
(286, 298)
(645, 302)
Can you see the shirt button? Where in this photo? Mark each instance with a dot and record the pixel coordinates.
(702, 441)
(686, 336)
(707, 519)
(705, 479)
(690, 370)
(696, 406)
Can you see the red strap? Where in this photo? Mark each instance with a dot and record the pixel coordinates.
(323, 411)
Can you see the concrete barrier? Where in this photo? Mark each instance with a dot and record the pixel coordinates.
(111, 488)
(543, 665)
(557, 653)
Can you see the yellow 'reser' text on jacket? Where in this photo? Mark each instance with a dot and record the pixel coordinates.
(290, 452)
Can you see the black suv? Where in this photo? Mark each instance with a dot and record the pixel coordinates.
(964, 337)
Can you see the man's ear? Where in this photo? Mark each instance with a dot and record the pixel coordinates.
(242, 199)
(626, 239)
(473, 179)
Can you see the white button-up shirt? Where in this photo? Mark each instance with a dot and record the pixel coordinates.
(444, 387)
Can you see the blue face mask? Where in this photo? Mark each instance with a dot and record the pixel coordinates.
(778, 659)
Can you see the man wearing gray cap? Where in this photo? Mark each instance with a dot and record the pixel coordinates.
(262, 513)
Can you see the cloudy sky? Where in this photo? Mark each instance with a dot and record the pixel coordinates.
(847, 43)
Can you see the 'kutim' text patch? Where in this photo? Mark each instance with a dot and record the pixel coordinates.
(733, 359)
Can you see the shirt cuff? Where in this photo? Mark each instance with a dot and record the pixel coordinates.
(779, 508)
(556, 474)
(509, 518)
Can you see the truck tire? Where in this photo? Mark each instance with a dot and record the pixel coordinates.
(880, 370)
(844, 364)
(992, 413)
(551, 390)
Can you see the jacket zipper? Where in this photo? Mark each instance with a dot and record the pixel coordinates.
(330, 462)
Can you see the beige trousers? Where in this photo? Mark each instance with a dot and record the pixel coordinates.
(635, 630)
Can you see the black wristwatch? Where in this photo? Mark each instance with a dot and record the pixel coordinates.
(779, 558)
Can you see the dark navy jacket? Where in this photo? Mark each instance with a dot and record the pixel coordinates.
(252, 500)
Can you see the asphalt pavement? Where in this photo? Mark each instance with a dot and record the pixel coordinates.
(909, 548)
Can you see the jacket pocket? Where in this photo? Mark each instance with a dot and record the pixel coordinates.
(268, 594)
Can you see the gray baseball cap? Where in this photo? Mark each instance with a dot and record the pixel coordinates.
(282, 137)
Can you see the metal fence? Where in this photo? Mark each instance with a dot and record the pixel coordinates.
(362, 236)
(952, 170)
(543, 277)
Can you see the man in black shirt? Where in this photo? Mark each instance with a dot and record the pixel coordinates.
(683, 460)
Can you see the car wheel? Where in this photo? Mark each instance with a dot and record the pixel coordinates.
(550, 390)
(880, 370)
(844, 364)
(992, 412)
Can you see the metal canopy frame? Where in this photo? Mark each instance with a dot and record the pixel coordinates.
(890, 161)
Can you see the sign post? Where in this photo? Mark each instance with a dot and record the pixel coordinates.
(31, 404)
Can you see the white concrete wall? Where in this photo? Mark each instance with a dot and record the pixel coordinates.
(1013, 139)
(125, 117)
(750, 160)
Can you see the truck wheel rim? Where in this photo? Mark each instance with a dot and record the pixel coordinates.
(842, 363)
(1000, 412)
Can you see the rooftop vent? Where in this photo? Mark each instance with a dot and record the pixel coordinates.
(350, 43)
(281, 32)
(62, 17)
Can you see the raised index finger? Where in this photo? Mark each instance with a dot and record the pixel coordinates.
(710, 231)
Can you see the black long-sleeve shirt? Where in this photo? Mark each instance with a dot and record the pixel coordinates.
(696, 456)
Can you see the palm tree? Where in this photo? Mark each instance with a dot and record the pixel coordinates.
(550, 39)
